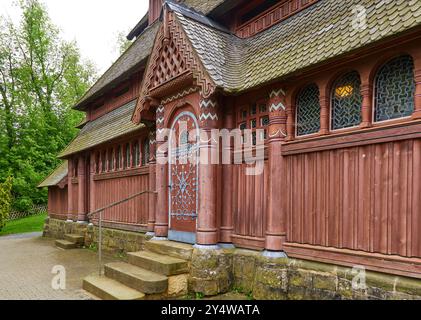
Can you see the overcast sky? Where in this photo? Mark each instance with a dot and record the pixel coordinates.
(94, 24)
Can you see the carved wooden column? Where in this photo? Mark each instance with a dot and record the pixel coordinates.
(207, 233)
(416, 54)
(70, 206)
(290, 119)
(92, 169)
(276, 220)
(152, 182)
(227, 227)
(324, 108)
(82, 192)
(161, 223)
(367, 104)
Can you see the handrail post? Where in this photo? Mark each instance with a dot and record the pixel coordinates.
(100, 243)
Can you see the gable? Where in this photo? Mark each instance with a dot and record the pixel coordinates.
(173, 65)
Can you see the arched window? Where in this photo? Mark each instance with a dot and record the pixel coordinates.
(127, 157)
(346, 101)
(308, 110)
(145, 152)
(111, 160)
(395, 89)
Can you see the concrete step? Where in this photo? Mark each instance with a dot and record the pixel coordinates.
(108, 289)
(64, 244)
(158, 263)
(75, 238)
(137, 278)
(170, 248)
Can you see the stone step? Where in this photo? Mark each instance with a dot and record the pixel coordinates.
(158, 263)
(108, 289)
(170, 248)
(64, 244)
(137, 278)
(75, 238)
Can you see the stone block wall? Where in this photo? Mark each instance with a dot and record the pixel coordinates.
(249, 272)
(114, 241)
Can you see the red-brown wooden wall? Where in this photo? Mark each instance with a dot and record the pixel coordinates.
(57, 203)
(359, 198)
(134, 212)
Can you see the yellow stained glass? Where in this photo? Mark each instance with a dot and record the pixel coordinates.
(344, 91)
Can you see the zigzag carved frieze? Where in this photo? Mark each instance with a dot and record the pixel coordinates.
(277, 106)
(160, 120)
(180, 95)
(208, 116)
(277, 93)
(207, 104)
(160, 109)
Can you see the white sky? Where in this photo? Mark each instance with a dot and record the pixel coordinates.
(94, 24)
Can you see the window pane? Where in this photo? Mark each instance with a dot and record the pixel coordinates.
(253, 110)
(264, 122)
(263, 108)
(395, 89)
(104, 161)
(127, 163)
(136, 154)
(111, 160)
(244, 114)
(346, 101)
(118, 158)
(243, 126)
(253, 123)
(145, 153)
(308, 111)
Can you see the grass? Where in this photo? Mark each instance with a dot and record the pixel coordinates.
(25, 225)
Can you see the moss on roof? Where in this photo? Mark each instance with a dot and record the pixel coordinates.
(56, 176)
(112, 125)
(318, 33)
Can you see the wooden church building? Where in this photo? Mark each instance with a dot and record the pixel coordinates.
(330, 94)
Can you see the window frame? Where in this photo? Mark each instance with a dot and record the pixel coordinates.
(310, 135)
(374, 93)
(332, 89)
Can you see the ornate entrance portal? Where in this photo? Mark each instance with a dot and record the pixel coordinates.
(183, 178)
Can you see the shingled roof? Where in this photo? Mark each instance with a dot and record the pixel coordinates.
(112, 125)
(318, 33)
(56, 176)
(137, 54)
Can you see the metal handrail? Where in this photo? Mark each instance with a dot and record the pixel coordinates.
(101, 211)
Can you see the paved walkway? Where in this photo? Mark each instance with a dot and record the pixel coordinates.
(26, 264)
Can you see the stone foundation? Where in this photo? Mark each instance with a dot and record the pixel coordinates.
(213, 272)
(249, 272)
(114, 241)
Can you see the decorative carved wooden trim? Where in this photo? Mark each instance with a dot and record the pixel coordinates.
(178, 83)
(189, 59)
(75, 180)
(397, 132)
(122, 174)
(374, 261)
(272, 16)
(179, 95)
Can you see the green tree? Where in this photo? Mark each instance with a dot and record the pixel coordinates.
(41, 78)
(5, 201)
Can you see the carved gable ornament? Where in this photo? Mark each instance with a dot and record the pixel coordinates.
(173, 65)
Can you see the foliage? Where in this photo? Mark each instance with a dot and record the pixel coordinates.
(122, 43)
(25, 225)
(41, 78)
(5, 201)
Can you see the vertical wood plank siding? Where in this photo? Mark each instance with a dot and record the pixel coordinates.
(57, 202)
(363, 198)
(134, 212)
(250, 203)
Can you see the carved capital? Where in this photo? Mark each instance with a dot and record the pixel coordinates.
(277, 115)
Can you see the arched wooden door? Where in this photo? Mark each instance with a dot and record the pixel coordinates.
(183, 178)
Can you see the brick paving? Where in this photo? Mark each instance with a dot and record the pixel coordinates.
(26, 264)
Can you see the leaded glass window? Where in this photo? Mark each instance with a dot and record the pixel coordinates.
(395, 89)
(346, 101)
(145, 153)
(308, 110)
